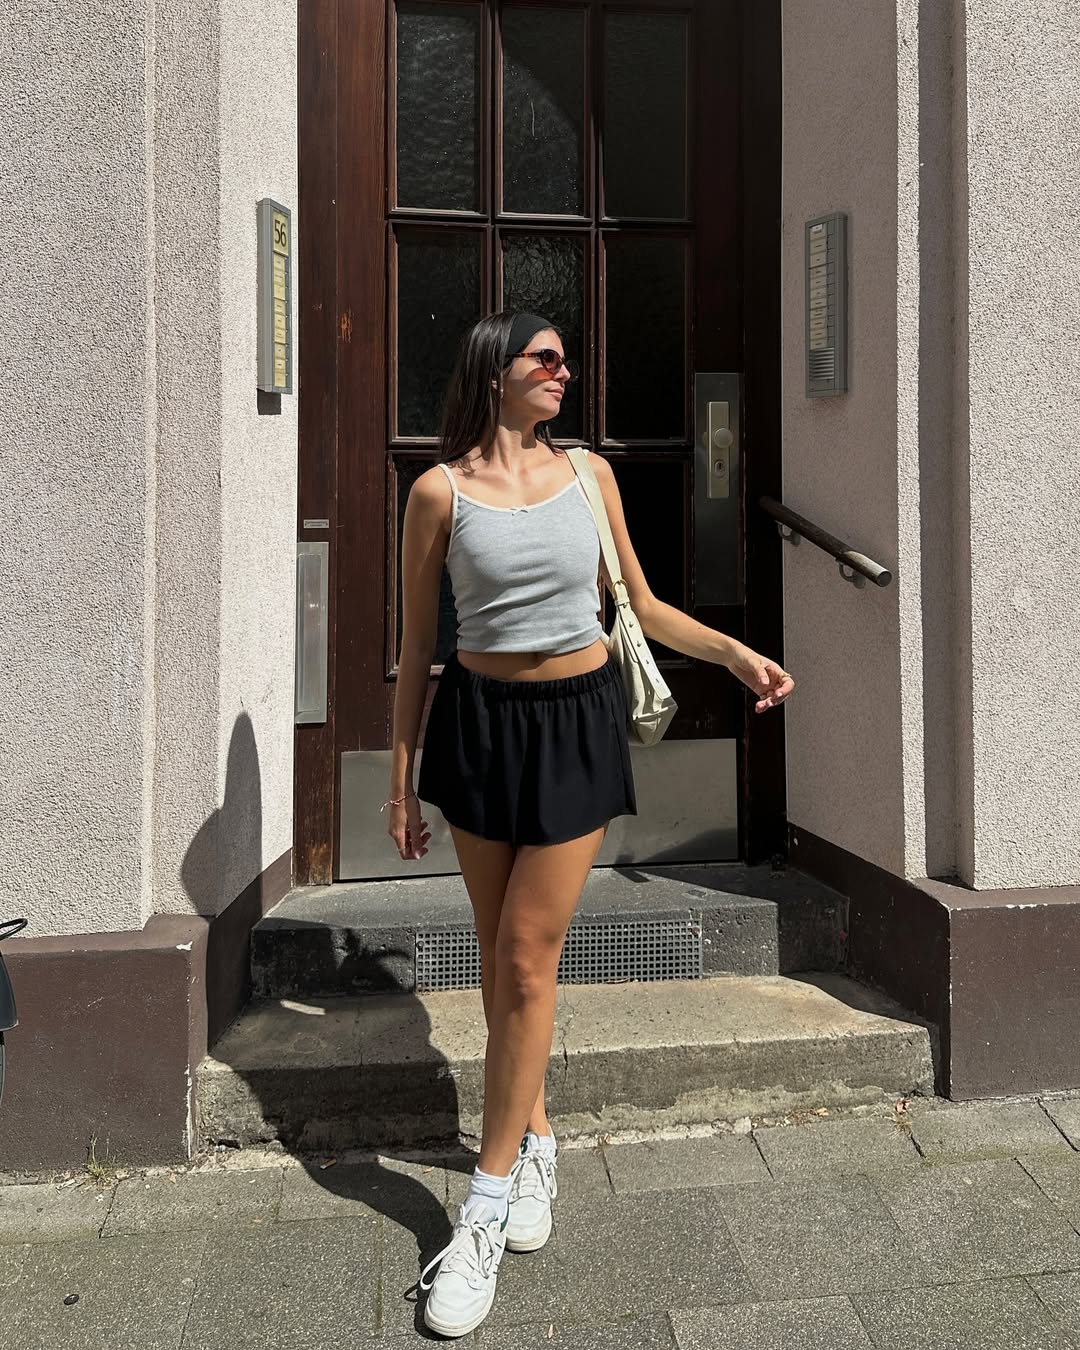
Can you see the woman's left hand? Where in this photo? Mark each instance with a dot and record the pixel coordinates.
(769, 681)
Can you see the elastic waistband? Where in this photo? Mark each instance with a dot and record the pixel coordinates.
(490, 686)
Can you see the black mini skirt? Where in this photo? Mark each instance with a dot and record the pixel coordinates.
(528, 761)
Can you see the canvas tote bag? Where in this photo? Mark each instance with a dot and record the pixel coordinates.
(648, 697)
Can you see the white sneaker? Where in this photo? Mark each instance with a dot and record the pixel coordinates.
(532, 1190)
(464, 1289)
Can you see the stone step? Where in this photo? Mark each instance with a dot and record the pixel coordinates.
(365, 937)
(407, 1069)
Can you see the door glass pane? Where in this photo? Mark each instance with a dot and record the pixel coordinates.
(545, 274)
(653, 501)
(407, 471)
(645, 338)
(544, 111)
(438, 298)
(438, 107)
(645, 115)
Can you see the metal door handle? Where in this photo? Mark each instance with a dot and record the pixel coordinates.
(719, 440)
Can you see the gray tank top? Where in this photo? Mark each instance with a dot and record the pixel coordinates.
(524, 577)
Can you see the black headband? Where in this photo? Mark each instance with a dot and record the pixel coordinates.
(525, 327)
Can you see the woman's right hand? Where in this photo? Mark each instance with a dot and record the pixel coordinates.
(408, 829)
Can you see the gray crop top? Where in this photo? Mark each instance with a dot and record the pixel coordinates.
(524, 577)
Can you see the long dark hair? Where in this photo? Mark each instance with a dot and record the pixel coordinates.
(473, 403)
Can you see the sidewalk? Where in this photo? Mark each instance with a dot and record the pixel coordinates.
(913, 1225)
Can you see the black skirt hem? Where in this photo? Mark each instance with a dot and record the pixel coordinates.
(577, 833)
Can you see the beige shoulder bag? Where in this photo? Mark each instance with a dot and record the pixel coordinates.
(648, 699)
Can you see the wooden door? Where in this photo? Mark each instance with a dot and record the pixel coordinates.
(585, 160)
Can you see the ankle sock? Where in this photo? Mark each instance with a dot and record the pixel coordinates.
(545, 1143)
(488, 1198)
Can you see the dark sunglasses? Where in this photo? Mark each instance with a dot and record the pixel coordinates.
(553, 361)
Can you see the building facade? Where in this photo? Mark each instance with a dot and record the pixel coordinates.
(646, 173)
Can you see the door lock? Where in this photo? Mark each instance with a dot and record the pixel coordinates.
(719, 440)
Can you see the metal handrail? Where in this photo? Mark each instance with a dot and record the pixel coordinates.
(852, 563)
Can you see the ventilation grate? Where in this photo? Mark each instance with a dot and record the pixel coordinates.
(595, 952)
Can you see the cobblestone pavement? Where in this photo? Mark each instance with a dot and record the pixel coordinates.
(916, 1225)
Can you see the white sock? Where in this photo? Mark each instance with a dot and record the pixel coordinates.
(488, 1197)
(542, 1142)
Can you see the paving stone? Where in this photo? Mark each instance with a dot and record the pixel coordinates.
(1065, 1113)
(645, 1333)
(805, 1239)
(581, 1172)
(609, 1257)
(292, 1286)
(673, 1251)
(836, 1148)
(723, 1160)
(979, 1220)
(988, 1315)
(172, 1202)
(134, 1293)
(1061, 1294)
(1058, 1177)
(383, 1186)
(973, 1130)
(802, 1324)
(47, 1213)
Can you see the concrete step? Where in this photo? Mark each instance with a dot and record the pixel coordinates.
(407, 1069)
(386, 936)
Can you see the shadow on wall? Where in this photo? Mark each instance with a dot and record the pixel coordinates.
(308, 1074)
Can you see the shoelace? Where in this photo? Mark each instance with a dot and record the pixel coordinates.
(526, 1178)
(472, 1247)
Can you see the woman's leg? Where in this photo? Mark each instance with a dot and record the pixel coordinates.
(485, 866)
(541, 895)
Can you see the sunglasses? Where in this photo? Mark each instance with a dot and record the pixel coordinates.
(553, 361)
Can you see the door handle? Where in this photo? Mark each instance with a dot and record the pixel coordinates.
(719, 440)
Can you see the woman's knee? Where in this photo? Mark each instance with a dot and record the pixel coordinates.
(525, 966)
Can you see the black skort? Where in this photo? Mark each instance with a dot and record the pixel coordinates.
(528, 761)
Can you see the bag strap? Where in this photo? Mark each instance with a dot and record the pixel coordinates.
(579, 459)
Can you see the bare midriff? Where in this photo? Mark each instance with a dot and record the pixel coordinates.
(535, 665)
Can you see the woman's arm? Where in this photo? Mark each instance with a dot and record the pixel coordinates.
(423, 552)
(664, 623)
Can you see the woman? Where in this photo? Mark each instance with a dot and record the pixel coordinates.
(525, 751)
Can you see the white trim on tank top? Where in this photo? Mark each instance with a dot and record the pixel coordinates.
(511, 510)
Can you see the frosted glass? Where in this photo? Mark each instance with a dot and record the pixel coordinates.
(438, 106)
(645, 115)
(544, 274)
(438, 283)
(543, 111)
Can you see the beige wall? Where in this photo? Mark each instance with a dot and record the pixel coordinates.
(1021, 772)
(921, 738)
(845, 734)
(77, 467)
(149, 507)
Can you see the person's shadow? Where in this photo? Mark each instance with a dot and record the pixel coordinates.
(223, 859)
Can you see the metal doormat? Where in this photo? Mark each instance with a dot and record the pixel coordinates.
(598, 952)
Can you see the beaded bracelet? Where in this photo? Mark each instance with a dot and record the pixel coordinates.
(395, 801)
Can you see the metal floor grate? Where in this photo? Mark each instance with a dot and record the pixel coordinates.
(597, 952)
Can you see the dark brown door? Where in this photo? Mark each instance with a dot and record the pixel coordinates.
(584, 161)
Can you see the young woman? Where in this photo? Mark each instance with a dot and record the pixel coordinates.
(525, 751)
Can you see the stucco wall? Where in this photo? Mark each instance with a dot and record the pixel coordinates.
(844, 726)
(932, 731)
(223, 781)
(1021, 266)
(259, 456)
(149, 503)
(77, 466)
